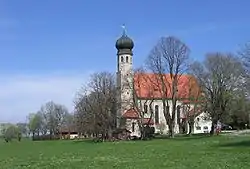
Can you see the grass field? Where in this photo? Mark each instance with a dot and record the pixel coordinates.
(180, 153)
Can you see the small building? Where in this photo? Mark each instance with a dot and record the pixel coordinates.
(121, 134)
(68, 132)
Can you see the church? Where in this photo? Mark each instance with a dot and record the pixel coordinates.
(141, 85)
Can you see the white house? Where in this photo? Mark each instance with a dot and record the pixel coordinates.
(146, 91)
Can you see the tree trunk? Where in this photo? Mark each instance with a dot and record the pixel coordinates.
(142, 132)
(171, 129)
(181, 129)
(33, 135)
(109, 133)
(191, 128)
(50, 134)
(213, 127)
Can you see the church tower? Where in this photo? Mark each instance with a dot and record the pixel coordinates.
(124, 75)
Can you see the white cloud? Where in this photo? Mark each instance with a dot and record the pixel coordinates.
(21, 94)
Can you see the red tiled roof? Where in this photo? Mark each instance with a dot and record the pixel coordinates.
(132, 114)
(148, 85)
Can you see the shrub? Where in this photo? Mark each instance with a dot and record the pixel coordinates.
(149, 132)
(46, 137)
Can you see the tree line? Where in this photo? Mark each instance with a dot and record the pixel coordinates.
(223, 95)
(46, 123)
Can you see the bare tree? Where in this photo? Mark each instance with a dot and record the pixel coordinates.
(239, 112)
(96, 105)
(11, 132)
(193, 105)
(23, 128)
(85, 107)
(44, 122)
(80, 113)
(69, 121)
(53, 117)
(244, 54)
(168, 60)
(34, 124)
(49, 119)
(221, 77)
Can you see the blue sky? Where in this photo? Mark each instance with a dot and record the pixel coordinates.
(48, 48)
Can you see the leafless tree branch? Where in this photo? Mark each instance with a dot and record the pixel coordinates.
(170, 57)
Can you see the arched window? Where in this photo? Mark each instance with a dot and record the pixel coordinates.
(156, 114)
(127, 59)
(179, 114)
(122, 60)
(145, 108)
(133, 126)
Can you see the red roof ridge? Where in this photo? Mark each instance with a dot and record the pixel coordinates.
(130, 113)
(133, 114)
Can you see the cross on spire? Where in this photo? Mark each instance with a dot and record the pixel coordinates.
(124, 30)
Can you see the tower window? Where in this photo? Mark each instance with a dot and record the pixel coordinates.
(122, 60)
(127, 59)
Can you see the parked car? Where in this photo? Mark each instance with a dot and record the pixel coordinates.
(226, 127)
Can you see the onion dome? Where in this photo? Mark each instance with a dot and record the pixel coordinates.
(124, 44)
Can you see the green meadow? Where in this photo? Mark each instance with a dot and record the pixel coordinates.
(179, 153)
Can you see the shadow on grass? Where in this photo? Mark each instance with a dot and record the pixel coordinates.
(186, 137)
(162, 137)
(89, 141)
(245, 143)
(92, 141)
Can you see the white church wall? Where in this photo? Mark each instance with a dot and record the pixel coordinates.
(132, 125)
(162, 121)
(202, 124)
